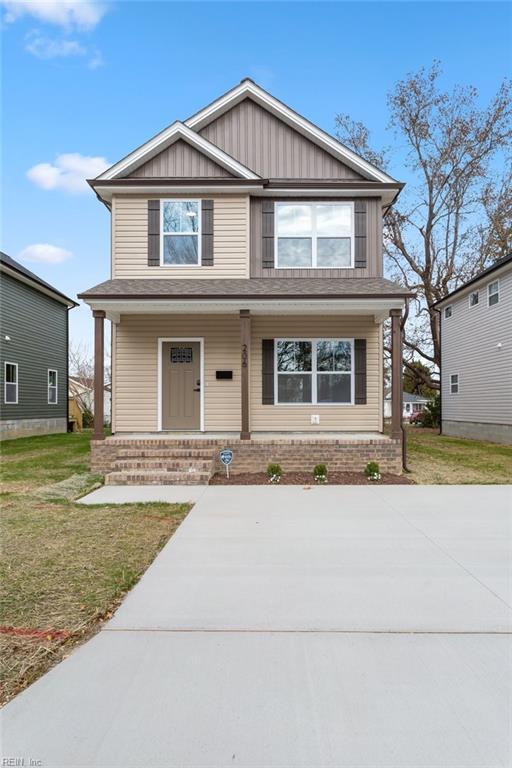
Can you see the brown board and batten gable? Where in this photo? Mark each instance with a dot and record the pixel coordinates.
(269, 147)
(180, 160)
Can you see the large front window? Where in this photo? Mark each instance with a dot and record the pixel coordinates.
(314, 235)
(181, 232)
(315, 371)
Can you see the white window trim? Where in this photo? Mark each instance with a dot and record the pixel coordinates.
(53, 386)
(496, 293)
(313, 373)
(10, 402)
(181, 234)
(451, 383)
(314, 235)
(449, 307)
(469, 299)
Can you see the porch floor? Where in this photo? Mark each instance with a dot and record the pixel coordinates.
(255, 436)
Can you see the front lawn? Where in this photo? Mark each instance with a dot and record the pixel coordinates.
(65, 566)
(434, 458)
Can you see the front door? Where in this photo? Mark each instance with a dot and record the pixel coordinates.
(181, 385)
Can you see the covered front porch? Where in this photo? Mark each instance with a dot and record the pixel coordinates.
(191, 376)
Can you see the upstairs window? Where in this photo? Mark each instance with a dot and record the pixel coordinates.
(473, 299)
(448, 311)
(316, 371)
(52, 386)
(493, 293)
(11, 383)
(314, 235)
(454, 384)
(181, 229)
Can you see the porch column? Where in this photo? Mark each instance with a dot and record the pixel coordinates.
(99, 351)
(245, 348)
(396, 374)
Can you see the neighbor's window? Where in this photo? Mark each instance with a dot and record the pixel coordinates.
(473, 299)
(319, 235)
(181, 232)
(11, 383)
(52, 387)
(316, 371)
(448, 311)
(454, 384)
(493, 292)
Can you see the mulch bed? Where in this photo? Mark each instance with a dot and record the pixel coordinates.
(305, 478)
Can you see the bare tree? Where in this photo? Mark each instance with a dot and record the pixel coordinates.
(454, 218)
(81, 369)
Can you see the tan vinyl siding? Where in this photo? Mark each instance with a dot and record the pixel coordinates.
(470, 339)
(180, 161)
(136, 365)
(373, 248)
(130, 240)
(366, 418)
(270, 148)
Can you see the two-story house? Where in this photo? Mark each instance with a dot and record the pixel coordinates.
(246, 298)
(476, 356)
(34, 322)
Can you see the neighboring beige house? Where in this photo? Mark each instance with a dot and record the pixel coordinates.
(246, 297)
(82, 391)
(476, 356)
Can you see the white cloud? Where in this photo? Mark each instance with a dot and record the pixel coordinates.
(96, 61)
(44, 253)
(69, 172)
(69, 14)
(50, 48)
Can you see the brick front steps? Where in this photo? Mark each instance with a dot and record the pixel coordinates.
(193, 461)
(160, 464)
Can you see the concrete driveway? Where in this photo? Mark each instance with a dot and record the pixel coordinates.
(292, 628)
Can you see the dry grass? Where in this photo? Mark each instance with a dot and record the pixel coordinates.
(436, 459)
(65, 566)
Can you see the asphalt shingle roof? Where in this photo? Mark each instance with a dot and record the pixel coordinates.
(268, 287)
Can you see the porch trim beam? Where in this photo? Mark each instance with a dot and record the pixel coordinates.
(245, 351)
(99, 372)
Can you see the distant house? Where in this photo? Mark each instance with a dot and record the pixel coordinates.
(82, 391)
(476, 356)
(33, 353)
(411, 404)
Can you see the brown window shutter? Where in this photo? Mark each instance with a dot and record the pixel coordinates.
(267, 371)
(207, 233)
(153, 233)
(267, 231)
(360, 371)
(360, 207)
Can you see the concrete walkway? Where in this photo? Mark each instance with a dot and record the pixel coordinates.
(292, 628)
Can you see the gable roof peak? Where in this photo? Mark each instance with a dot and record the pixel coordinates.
(248, 88)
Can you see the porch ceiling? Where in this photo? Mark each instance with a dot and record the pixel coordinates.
(377, 308)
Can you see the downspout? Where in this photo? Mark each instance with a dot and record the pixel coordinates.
(439, 328)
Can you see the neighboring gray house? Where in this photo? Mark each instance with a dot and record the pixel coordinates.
(476, 356)
(411, 404)
(33, 353)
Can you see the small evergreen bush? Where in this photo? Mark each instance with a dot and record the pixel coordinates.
(320, 473)
(274, 473)
(372, 471)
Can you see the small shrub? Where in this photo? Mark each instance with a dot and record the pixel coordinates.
(320, 473)
(87, 419)
(432, 413)
(274, 473)
(372, 471)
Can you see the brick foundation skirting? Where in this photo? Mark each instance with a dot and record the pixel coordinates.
(254, 455)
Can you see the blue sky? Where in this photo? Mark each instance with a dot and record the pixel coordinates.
(84, 80)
